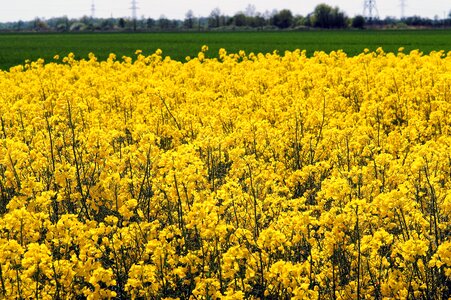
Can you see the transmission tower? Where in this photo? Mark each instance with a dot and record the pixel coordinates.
(370, 10)
(134, 9)
(403, 8)
(93, 10)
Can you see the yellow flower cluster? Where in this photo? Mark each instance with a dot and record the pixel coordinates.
(244, 176)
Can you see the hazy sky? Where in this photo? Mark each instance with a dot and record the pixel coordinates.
(13, 10)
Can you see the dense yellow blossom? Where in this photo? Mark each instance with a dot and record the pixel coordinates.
(243, 176)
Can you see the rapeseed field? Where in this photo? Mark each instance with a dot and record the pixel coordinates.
(246, 176)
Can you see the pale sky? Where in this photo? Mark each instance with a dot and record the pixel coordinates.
(13, 10)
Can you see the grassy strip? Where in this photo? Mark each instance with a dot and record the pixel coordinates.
(16, 48)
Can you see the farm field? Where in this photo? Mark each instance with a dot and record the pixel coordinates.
(246, 176)
(16, 48)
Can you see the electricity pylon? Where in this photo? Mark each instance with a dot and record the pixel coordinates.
(370, 10)
(134, 9)
(93, 10)
(403, 8)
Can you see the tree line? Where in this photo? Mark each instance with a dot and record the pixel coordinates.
(323, 16)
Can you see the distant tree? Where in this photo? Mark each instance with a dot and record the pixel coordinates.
(20, 25)
(66, 20)
(175, 24)
(239, 19)
(77, 26)
(164, 23)
(40, 25)
(202, 22)
(257, 21)
(417, 21)
(339, 19)
(300, 21)
(267, 15)
(390, 20)
(358, 22)
(283, 19)
(121, 23)
(150, 23)
(214, 19)
(107, 24)
(189, 19)
(86, 20)
(59, 24)
(324, 16)
(309, 20)
(61, 27)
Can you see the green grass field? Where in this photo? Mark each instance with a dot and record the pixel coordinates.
(16, 48)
